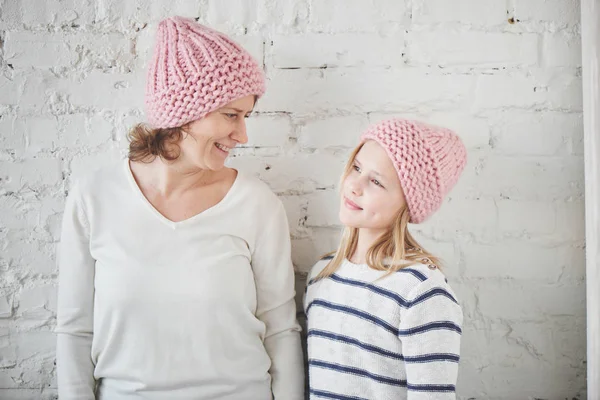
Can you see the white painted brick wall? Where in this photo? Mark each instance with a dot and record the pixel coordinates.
(504, 74)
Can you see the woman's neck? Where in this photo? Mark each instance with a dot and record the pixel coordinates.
(169, 178)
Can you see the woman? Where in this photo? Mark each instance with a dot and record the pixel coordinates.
(175, 272)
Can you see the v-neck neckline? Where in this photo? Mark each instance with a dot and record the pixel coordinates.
(175, 224)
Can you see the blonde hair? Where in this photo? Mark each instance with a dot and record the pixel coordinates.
(394, 250)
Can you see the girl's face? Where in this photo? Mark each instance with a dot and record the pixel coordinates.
(206, 142)
(371, 193)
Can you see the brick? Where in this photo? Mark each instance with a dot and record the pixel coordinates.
(561, 49)
(41, 132)
(229, 13)
(37, 297)
(323, 209)
(548, 89)
(268, 131)
(295, 208)
(525, 344)
(335, 131)
(504, 381)
(36, 90)
(17, 212)
(10, 90)
(523, 261)
(107, 91)
(478, 218)
(284, 15)
(5, 311)
(524, 178)
(356, 15)
(355, 90)
(136, 13)
(98, 130)
(472, 48)
(32, 49)
(303, 172)
(71, 127)
(570, 225)
(41, 344)
(534, 133)
(29, 394)
(525, 217)
(33, 173)
(469, 12)
(337, 50)
(51, 12)
(28, 255)
(103, 51)
(474, 132)
(83, 165)
(11, 137)
(520, 301)
(575, 142)
(556, 12)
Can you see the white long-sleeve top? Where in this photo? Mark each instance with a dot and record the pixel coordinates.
(154, 309)
(372, 336)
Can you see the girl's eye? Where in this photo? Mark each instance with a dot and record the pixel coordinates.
(356, 168)
(375, 181)
(231, 116)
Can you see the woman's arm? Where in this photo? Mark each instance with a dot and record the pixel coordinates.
(274, 277)
(75, 369)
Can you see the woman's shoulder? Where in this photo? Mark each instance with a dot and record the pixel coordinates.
(256, 191)
(99, 180)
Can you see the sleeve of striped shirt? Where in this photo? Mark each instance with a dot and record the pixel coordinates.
(276, 306)
(430, 331)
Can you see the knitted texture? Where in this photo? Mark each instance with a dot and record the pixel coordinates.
(428, 159)
(196, 70)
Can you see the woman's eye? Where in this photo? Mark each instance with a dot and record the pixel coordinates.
(356, 168)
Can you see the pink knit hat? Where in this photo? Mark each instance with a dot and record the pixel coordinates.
(428, 159)
(196, 70)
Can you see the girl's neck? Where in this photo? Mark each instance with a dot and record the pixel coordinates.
(366, 239)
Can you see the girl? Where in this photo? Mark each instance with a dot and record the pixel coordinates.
(383, 323)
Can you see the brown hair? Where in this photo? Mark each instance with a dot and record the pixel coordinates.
(145, 143)
(394, 250)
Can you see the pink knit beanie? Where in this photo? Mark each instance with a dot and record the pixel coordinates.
(196, 70)
(428, 159)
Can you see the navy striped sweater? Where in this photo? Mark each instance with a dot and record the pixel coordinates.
(391, 338)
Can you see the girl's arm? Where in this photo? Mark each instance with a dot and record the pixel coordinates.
(74, 328)
(274, 276)
(430, 331)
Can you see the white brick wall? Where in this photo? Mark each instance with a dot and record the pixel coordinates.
(504, 74)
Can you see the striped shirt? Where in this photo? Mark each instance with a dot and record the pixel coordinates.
(392, 338)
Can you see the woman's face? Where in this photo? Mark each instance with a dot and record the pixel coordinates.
(206, 142)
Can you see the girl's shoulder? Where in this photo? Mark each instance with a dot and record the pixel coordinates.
(319, 266)
(419, 278)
